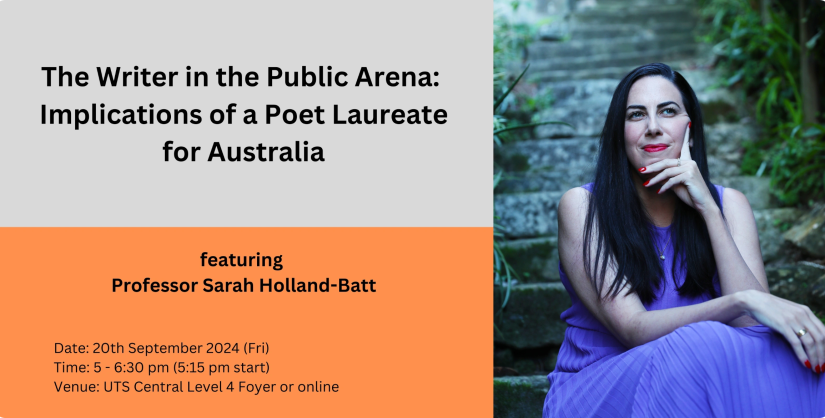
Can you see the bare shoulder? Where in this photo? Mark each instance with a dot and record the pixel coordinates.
(573, 201)
(615, 313)
(577, 191)
(735, 203)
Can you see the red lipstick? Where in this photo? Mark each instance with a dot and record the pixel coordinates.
(655, 147)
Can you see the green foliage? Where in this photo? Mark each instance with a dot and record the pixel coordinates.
(510, 41)
(798, 170)
(507, 39)
(764, 60)
(503, 273)
(755, 55)
(524, 259)
(782, 225)
(534, 103)
(511, 37)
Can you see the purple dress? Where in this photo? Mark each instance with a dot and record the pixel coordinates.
(703, 369)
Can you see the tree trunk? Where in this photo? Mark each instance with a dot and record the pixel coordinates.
(810, 90)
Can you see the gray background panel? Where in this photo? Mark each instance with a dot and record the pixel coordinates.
(104, 175)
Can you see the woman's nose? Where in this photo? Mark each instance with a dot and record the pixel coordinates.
(653, 128)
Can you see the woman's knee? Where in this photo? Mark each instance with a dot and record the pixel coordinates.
(703, 338)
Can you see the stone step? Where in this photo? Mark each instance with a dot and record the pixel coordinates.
(800, 283)
(635, 7)
(809, 234)
(756, 189)
(721, 169)
(531, 317)
(510, 362)
(604, 14)
(535, 260)
(646, 3)
(771, 224)
(519, 396)
(549, 180)
(544, 154)
(725, 142)
(572, 92)
(527, 215)
(586, 119)
(539, 66)
(607, 67)
(642, 42)
(583, 31)
(816, 297)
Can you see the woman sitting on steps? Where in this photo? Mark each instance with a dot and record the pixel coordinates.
(671, 313)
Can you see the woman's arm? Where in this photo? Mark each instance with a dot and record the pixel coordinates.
(739, 261)
(736, 249)
(625, 316)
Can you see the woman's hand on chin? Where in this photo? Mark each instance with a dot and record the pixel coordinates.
(683, 177)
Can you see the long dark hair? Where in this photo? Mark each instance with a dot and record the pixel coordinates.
(625, 235)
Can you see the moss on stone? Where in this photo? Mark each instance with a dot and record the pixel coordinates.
(511, 162)
(519, 397)
(531, 318)
(793, 282)
(534, 263)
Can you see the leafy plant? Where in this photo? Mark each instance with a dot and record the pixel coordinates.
(510, 41)
(798, 170)
(764, 60)
(503, 272)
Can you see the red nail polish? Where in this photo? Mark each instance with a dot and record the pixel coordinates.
(659, 192)
(817, 369)
(807, 364)
(646, 183)
(689, 123)
(642, 170)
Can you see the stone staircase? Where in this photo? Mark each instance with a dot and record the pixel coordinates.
(605, 42)
(609, 38)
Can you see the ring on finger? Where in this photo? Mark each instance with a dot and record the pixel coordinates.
(801, 332)
(678, 162)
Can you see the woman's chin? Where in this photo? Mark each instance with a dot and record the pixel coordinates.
(655, 158)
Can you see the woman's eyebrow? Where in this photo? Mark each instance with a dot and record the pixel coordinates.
(659, 106)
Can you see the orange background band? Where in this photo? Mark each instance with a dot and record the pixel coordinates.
(419, 346)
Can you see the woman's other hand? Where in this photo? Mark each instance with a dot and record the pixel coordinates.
(786, 318)
(683, 177)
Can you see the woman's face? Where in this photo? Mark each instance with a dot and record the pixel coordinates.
(655, 121)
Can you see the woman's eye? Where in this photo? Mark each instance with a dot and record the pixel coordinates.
(669, 111)
(635, 115)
